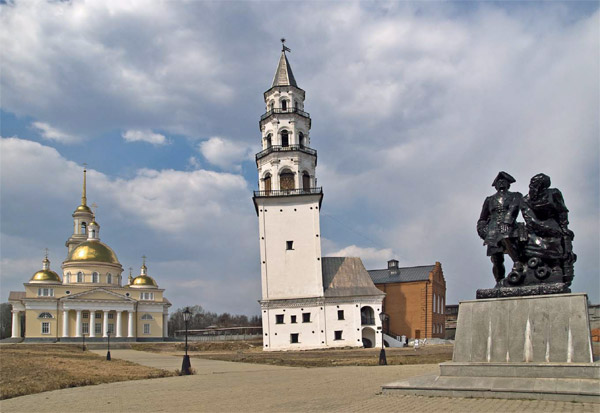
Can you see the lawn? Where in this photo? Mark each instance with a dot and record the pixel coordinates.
(35, 368)
(251, 352)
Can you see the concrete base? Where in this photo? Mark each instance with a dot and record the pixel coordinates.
(535, 347)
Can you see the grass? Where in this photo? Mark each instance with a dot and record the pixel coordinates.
(251, 352)
(32, 368)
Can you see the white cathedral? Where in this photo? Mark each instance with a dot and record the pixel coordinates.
(308, 301)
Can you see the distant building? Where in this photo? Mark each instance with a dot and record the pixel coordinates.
(451, 319)
(414, 301)
(308, 301)
(594, 315)
(89, 299)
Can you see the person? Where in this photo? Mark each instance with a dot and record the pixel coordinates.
(547, 221)
(416, 344)
(497, 223)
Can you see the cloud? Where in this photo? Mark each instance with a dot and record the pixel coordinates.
(144, 136)
(53, 134)
(371, 257)
(225, 153)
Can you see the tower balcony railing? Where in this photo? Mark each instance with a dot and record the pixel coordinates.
(288, 192)
(279, 148)
(277, 111)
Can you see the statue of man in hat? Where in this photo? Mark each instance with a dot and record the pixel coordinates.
(496, 224)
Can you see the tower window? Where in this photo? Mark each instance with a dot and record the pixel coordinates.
(285, 139)
(83, 228)
(289, 245)
(338, 335)
(94, 277)
(301, 139)
(284, 105)
(286, 181)
(279, 319)
(306, 317)
(296, 104)
(109, 278)
(293, 319)
(294, 338)
(79, 277)
(340, 314)
(267, 183)
(305, 181)
(268, 141)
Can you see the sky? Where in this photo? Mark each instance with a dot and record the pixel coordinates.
(415, 108)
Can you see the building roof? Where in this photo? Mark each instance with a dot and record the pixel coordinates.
(346, 277)
(403, 274)
(16, 295)
(284, 75)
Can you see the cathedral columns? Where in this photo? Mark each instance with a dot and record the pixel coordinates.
(105, 324)
(118, 326)
(78, 324)
(92, 324)
(16, 324)
(130, 325)
(165, 325)
(65, 326)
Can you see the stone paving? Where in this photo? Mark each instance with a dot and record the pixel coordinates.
(222, 386)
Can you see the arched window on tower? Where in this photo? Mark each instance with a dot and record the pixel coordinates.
(109, 278)
(285, 139)
(301, 138)
(306, 181)
(286, 180)
(268, 141)
(94, 277)
(296, 105)
(284, 105)
(83, 228)
(271, 105)
(267, 183)
(79, 277)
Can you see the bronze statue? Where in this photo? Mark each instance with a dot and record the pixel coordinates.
(541, 247)
(496, 225)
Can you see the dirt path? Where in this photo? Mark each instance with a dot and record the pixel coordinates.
(227, 387)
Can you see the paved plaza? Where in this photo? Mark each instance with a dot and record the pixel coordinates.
(228, 387)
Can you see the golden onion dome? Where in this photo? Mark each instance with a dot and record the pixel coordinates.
(144, 281)
(93, 250)
(83, 208)
(45, 276)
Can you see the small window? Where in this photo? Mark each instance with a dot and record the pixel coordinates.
(285, 139)
(293, 319)
(338, 335)
(46, 328)
(284, 105)
(306, 317)
(68, 277)
(289, 245)
(98, 315)
(109, 278)
(83, 228)
(147, 296)
(85, 328)
(98, 328)
(147, 317)
(45, 315)
(85, 314)
(279, 319)
(294, 338)
(111, 329)
(94, 277)
(79, 277)
(111, 316)
(45, 292)
(340, 314)
(146, 328)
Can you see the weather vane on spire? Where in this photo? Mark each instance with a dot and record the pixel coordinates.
(85, 166)
(284, 47)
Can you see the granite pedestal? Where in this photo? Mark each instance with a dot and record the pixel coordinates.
(534, 347)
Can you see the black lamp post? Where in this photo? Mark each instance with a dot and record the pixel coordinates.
(382, 360)
(186, 365)
(83, 346)
(108, 351)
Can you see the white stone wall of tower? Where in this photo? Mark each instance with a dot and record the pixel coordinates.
(277, 162)
(297, 272)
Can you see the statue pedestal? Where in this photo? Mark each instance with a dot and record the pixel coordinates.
(533, 347)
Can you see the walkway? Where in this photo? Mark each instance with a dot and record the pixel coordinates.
(221, 386)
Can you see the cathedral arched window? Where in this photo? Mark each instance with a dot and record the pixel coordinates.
(285, 138)
(296, 104)
(284, 105)
(301, 138)
(83, 228)
(267, 183)
(286, 180)
(271, 105)
(45, 315)
(306, 181)
(94, 277)
(109, 278)
(268, 141)
(147, 317)
(79, 277)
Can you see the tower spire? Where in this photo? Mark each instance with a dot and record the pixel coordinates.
(83, 196)
(284, 75)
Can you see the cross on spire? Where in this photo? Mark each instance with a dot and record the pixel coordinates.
(94, 207)
(46, 250)
(144, 259)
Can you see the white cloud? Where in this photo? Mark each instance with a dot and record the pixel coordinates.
(144, 136)
(225, 153)
(53, 134)
(372, 258)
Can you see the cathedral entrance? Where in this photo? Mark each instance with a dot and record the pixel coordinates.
(368, 337)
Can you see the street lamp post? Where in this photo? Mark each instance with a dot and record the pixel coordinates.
(382, 359)
(108, 351)
(186, 365)
(83, 346)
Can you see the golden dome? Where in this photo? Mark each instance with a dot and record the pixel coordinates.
(144, 281)
(45, 276)
(93, 251)
(83, 208)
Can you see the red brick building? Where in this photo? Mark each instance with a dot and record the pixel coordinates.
(415, 299)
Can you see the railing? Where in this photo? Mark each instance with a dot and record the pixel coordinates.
(286, 192)
(288, 110)
(279, 148)
(367, 321)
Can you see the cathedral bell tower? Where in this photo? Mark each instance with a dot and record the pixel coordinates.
(288, 200)
(82, 217)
